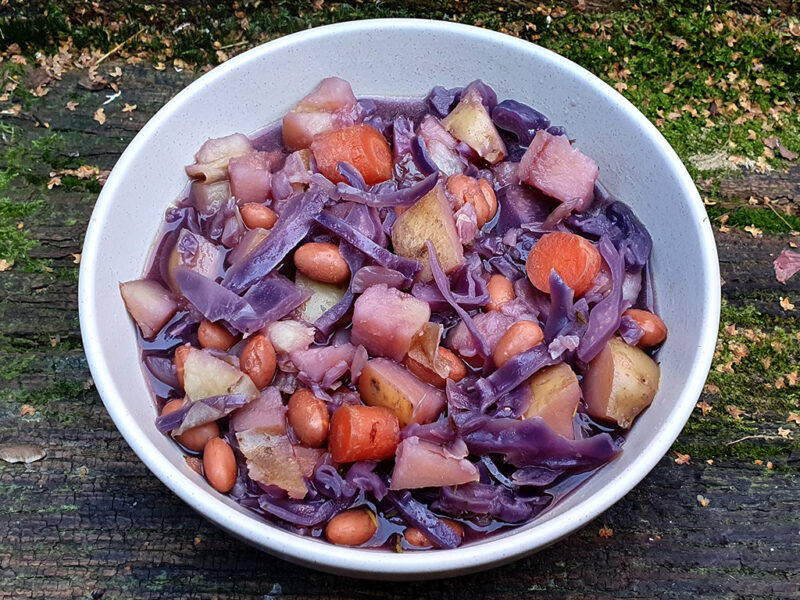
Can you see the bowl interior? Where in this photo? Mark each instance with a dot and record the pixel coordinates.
(404, 58)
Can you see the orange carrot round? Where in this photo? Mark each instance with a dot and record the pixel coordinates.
(363, 433)
(574, 258)
(362, 146)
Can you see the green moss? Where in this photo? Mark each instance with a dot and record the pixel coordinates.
(758, 216)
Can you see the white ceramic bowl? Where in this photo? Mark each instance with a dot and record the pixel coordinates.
(402, 58)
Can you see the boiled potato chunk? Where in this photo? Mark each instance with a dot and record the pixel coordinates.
(385, 383)
(555, 393)
(324, 296)
(206, 376)
(620, 383)
(430, 218)
(469, 122)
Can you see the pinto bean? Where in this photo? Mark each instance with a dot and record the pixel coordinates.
(219, 465)
(655, 331)
(521, 336)
(258, 360)
(416, 538)
(322, 261)
(181, 353)
(501, 290)
(257, 215)
(489, 196)
(308, 416)
(352, 527)
(197, 437)
(215, 335)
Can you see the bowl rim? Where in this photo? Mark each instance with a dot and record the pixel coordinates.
(363, 562)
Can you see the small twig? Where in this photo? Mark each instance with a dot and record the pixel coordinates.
(118, 47)
(242, 43)
(777, 214)
(756, 437)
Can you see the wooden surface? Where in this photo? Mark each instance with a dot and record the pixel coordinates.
(91, 521)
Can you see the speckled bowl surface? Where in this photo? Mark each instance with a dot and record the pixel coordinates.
(402, 58)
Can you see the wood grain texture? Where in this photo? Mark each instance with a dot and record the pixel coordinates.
(91, 521)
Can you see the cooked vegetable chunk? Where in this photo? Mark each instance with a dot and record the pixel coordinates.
(205, 376)
(150, 305)
(470, 123)
(620, 383)
(271, 460)
(385, 383)
(363, 433)
(385, 320)
(430, 218)
(554, 396)
(324, 296)
(361, 146)
(329, 105)
(552, 165)
(420, 464)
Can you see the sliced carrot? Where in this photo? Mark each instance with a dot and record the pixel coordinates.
(573, 257)
(363, 433)
(362, 146)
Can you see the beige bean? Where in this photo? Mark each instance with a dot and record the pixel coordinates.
(258, 360)
(416, 538)
(215, 335)
(489, 196)
(464, 188)
(352, 527)
(308, 416)
(181, 353)
(521, 336)
(655, 331)
(458, 369)
(219, 465)
(257, 215)
(501, 290)
(195, 438)
(322, 261)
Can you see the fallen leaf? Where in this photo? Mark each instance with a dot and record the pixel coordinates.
(76, 258)
(26, 409)
(766, 362)
(704, 407)
(730, 329)
(71, 106)
(710, 461)
(735, 412)
(791, 378)
(100, 115)
(25, 453)
(682, 458)
(754, 231)
(159, 66)
(785, 433)
(621, 86)
(680, 43)
(726, 368)
(54, 182)
(758, 462)
(669, 87)
(793, 417)
(605, 532)
(770, 465)
(6, 265)
(702, 500)
(128, 108)
(786, 304)
(82, 471)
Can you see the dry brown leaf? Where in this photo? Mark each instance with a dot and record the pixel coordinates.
(785, 433)
(702, 500)
(128, 108)
(710, 461)
(754, 231)
(669, 87)
(735, 412)
(791, 378)
(24, 453)
(786, 304)
(6, 265)
(76, 258)
(725, 368)
(680, 43)
(605, 532)
(682, 458)
(26, 409)
(793, 417)
(100, 115)
(54, 182)
(704, 407)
